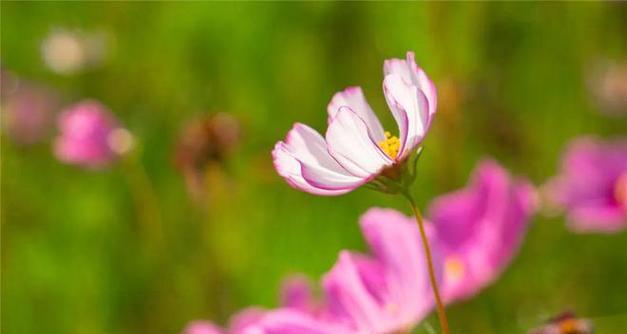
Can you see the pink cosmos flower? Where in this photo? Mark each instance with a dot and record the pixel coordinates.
(480, 228)
(90, 136)
(356, 149)
(592, 186)
(388, 292)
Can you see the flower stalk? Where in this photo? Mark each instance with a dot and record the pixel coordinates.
(434, 284)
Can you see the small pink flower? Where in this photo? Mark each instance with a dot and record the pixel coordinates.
(592, 186)
(356, 149)
(480, 228)
(388, 292)
(90, 136)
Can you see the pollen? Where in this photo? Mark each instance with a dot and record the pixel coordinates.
(390, 145)
(454, 268)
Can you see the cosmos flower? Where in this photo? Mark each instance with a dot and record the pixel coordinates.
(388, 292)
(356, 149)
(480, 228)
(90, 136)
(592, 185)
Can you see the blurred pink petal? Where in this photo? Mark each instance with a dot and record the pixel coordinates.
(592, 185)
(296, 293)
(356, 149)
(90, 136)
(289, 321)
(480, 228)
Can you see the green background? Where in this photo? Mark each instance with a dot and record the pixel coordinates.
(513, 82)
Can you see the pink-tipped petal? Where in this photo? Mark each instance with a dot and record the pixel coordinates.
(353, 97)
(290, 169)
(350, 143)
(303, 160)
(410, 109)
(410, 72)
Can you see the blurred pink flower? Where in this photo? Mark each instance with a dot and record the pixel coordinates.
(356, 148)
(386, 293)
(27, 110)
(480, 228)
(592, 186)
(90, 136)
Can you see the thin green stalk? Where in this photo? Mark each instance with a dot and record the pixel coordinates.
(434, 284)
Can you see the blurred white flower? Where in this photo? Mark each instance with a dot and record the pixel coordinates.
(67, 51)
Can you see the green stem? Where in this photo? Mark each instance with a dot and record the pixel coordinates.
(434, 284)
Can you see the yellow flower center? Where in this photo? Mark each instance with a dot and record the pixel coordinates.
(454, 268)
(390, 145)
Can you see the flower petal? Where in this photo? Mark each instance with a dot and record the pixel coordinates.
(353, 97)
(350, 143)
(395, 240)
(245, 318)
(303, 160)
(349, 297)
(410, 109)
(296, 293)
(289, 168)
(601, 219)
(480, 228)
(410, 72)
(288, 321)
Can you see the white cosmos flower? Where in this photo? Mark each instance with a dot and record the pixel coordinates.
(356, 149)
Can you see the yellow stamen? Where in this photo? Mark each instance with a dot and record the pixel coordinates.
(390, 145)
(454, 268)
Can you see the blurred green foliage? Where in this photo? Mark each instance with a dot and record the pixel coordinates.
(513, 85)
